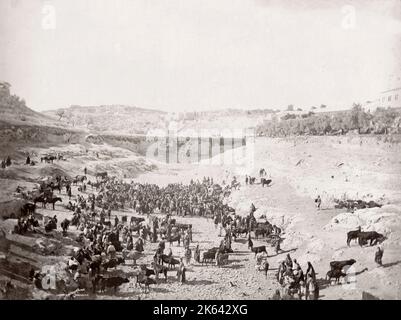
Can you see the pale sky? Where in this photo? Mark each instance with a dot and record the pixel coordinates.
(177, 55)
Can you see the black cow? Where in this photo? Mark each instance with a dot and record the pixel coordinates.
(208, 256)
(112, 282)
(353, 235)
(372, 236)
(170, 261)
(339, 265)
(113, 263)
(336, 274)
(265, 181)
(146, 281)
(172, 239)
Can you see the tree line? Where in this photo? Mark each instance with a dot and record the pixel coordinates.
(357, 120)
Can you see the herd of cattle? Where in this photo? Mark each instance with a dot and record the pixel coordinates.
(104, 245)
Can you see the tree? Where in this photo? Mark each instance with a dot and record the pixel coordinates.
(359, 118)
(60, 113)
(299, 109)
(89, 121)
(322, 106)
(290, 107)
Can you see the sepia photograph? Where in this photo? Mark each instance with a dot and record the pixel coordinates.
(201, 150)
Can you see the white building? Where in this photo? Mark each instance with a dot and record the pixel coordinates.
(391, 98)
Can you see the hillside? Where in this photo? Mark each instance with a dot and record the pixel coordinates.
(109, 119)
(13, 110)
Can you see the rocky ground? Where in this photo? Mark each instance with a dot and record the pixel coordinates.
(301, 169)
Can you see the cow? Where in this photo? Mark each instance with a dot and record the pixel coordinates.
(372, 236)
(159, 269)
(146, 281)
(64, 225)
(111, 282)
(353, 235)
(339, 265)
(208, 256)
(170, 261)
(336, 274)
(113, 263)
(259, 249)
(265, 181)
(172, 239)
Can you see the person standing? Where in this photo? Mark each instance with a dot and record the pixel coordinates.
(318, 201)
(197, 254)
(379, 256)
(69, 192)
(277, 247)
(310, 272)
(85, 170)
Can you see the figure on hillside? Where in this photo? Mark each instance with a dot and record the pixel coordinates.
(318, 201)
(28, 160)
(310, 272)
(8, 161)
(85, 170)
(379, 256)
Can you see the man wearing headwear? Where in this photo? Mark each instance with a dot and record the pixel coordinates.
(288, 261)
(310, 272)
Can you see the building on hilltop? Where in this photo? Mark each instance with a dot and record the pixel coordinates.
(391, 97)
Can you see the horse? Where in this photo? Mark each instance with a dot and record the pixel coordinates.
(52, 201)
